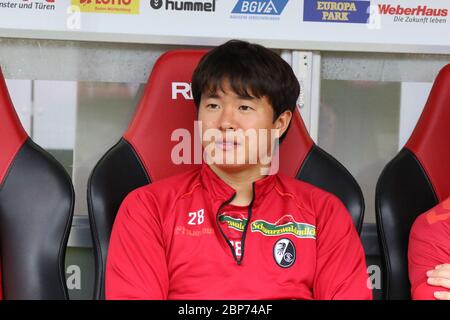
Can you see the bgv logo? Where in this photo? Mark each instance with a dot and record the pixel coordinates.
(266, 7)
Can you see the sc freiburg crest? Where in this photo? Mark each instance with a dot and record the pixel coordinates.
(284, 253)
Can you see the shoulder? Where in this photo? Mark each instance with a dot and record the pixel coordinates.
(166, 190)
(433, 225)
(308, 195)
(325, 208)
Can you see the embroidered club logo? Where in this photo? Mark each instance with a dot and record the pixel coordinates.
(284, 253)
(285, 225)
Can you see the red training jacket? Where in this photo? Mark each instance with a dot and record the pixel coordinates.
(299, 243)
(429, 246)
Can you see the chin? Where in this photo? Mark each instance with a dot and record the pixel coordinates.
(233, 167)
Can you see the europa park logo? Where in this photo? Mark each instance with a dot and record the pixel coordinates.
(108, 6)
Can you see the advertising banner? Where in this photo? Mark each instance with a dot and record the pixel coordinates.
(419, 26)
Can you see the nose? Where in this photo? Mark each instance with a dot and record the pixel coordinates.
(227, 121)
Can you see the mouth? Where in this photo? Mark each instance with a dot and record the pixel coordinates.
(227, 145)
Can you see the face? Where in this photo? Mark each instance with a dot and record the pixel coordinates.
(238, 132)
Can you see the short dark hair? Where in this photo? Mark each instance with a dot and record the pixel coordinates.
(251, 70)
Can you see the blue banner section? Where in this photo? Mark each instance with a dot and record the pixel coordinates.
(264, 7)
(344, 11)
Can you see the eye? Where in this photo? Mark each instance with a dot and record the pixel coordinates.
(245, 108)
(212, 106)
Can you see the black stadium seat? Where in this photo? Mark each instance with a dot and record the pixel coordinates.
(36, 210)
(416, 180)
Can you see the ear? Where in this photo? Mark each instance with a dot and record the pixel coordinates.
(282, 122)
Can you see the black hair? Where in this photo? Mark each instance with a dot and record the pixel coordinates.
(251, 70)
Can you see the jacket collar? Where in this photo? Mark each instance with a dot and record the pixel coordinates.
(220, 190)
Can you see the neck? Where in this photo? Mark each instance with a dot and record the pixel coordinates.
(240, 180)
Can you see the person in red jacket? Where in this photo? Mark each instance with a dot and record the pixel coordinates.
(236, 229)
(429, 254)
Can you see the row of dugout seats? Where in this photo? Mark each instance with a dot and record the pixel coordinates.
(37, 196)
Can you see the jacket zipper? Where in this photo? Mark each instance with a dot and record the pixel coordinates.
(249, 212)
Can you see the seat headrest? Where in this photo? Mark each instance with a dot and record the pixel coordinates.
(167, 105)
(12, 134)
(430, 140)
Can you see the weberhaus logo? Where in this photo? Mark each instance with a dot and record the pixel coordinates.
(420, 14)
(195, 6)
(258, 9)
(342, 11)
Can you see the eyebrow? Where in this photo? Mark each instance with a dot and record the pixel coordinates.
(246, 97)
(242, 97)
(212, 95)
